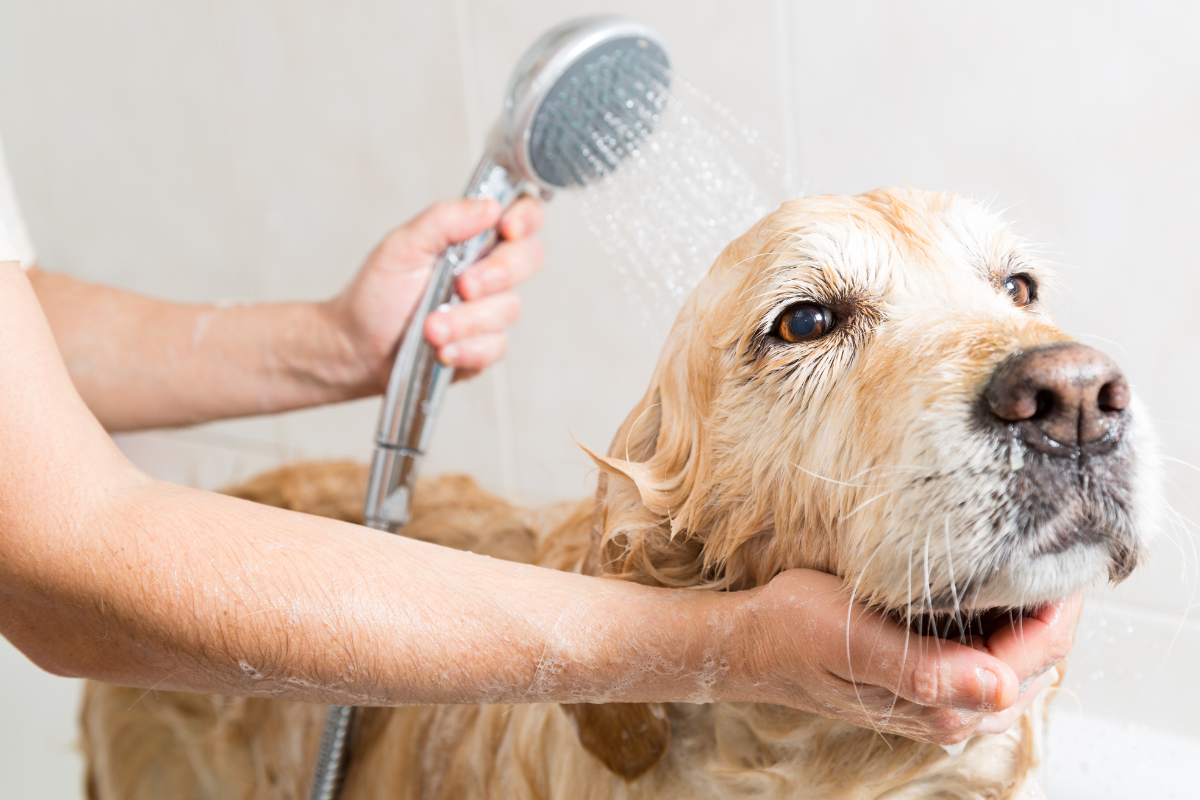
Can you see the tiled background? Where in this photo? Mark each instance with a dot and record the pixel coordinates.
(210, 149)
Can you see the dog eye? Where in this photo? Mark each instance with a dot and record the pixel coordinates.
(803, 322)
(1021, 289)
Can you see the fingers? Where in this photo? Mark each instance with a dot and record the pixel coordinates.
(472, 355)
(522, 219)
(945, 726)
(937, 673)
(940, 673)
(1031, 645)
(509, 264)
(868, 649)
(924, 670)
(948, 726)
(470, 336)
(877, 707)
(451, 221)
(490, 315)
(1001, 721)
(441, 225)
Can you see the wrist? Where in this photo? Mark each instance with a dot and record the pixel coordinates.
(707, 634)
(735, 633)
(333, 357)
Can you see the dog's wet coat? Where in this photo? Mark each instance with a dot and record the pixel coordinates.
(868, 386)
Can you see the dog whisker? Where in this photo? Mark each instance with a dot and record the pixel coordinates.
(928, 587)
(832, 480)
(850, 657)
(962, 633)
(867, 502)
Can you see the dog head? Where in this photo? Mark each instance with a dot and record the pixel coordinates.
(872, 387)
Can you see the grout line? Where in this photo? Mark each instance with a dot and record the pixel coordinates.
(238, 140)
(469, 68)
(784, 38)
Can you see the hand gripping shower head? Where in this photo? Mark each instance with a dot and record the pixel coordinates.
(580, 101)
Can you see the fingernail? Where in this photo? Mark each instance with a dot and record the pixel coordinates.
(987, 689)
(448, 354)
(484, 206)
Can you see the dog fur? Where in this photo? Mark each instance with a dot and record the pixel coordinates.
(860, 453)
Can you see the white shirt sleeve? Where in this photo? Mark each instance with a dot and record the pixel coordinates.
(14, 238)
(7, 251)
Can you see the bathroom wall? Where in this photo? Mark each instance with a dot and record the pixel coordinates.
(207, 149)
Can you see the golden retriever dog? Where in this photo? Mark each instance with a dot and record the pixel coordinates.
(868, 386)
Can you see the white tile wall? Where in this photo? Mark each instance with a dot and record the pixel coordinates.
(210, 149)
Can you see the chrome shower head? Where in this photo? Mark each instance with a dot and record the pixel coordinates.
(582, 98)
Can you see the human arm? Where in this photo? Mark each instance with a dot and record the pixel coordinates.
(140, 363)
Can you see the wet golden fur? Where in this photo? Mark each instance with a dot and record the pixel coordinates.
(851, 454)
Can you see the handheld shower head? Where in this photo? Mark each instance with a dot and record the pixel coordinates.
(579, 102)
(582, 98)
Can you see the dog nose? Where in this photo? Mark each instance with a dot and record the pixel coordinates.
(1063, 396)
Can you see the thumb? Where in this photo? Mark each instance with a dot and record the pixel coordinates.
(922, 669)
(444, 224)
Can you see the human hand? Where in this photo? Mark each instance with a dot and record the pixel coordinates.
(813, 650)
(374, 310)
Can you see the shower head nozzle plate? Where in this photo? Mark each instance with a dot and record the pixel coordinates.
(583, 98)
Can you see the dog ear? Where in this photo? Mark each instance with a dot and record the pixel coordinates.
(628, 738)
(648, 522)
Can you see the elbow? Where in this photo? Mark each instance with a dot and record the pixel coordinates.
(58, 652)
(59, 667)
(51, 659)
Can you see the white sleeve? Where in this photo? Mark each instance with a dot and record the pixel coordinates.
(7, 251)
(14, 238)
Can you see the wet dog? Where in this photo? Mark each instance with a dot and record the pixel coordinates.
(870, 386)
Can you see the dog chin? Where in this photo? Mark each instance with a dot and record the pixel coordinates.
(1021, 590)
(1037, 579)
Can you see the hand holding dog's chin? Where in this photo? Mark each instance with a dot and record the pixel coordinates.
(809, 648)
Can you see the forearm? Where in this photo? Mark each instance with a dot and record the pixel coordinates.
(280, 604)
(109, 575)
(141, 363)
